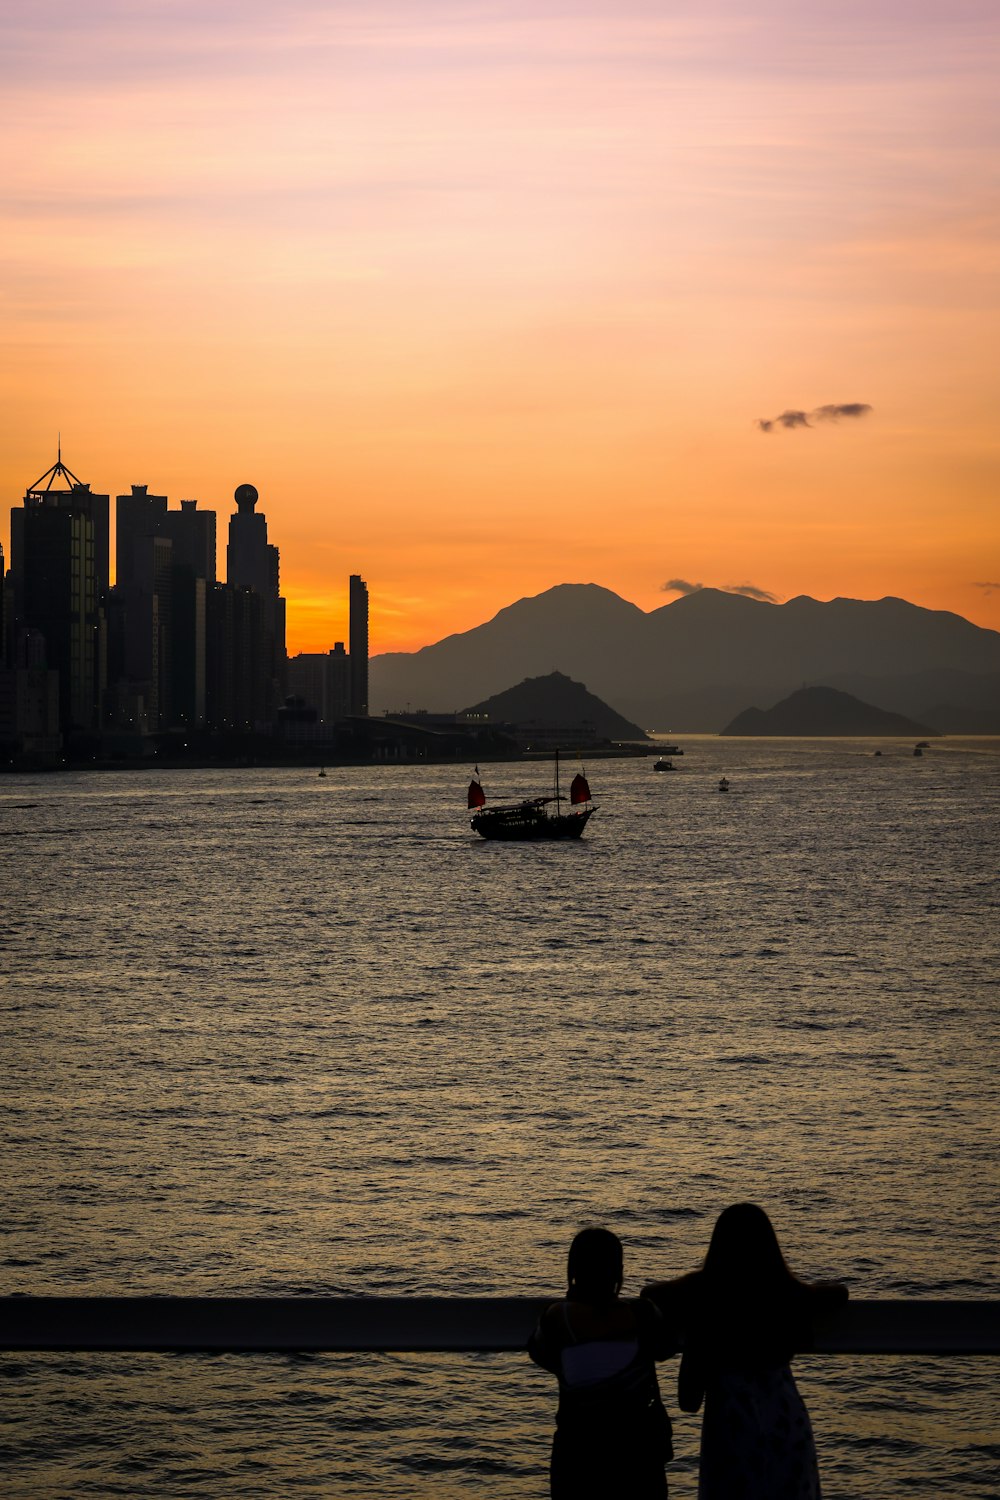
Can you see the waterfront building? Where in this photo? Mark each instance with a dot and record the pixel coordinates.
(236, 687)
(29, 701)
(60, 577)
(358, 644)
(322, 680)
(253, 563)
(140, 634)
(165, 564)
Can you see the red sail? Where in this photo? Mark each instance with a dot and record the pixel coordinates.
(477, 797)
(579, 790)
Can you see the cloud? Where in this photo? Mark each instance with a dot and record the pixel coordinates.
(832, 412)
(844, 409)
(784, 419)
(682, 586)
(752, 592)
(986, 587)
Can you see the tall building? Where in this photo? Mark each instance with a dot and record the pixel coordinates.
(165, 564)
(140, 664)
(60, 575)
(235, 684)
(358, 644)
(138, 516)
(192, 532)
(323, 680)
(192, 537)
(252, 563)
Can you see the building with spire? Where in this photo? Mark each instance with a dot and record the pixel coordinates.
(59, 580)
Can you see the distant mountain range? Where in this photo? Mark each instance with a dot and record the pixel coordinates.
(823, 711)
(696, 662)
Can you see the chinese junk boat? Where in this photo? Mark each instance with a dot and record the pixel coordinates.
(531, 818)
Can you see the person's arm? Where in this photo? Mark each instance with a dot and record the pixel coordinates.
(661, 1338)
(543, 1347)
(671, 1297)
(691, 1381)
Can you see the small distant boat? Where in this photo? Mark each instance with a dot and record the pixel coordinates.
(322, 770)
(723, 785)
(672, 750)
(531, 818)
(663, 764)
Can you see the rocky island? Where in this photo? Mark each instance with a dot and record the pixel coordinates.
(824, 711)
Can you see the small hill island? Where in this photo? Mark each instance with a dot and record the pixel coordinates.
(557, 701)
(824, 711)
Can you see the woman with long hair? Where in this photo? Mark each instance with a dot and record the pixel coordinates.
(744, 1315)
(612, 1435)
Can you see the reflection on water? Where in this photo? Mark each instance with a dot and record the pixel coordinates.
(268, 1033)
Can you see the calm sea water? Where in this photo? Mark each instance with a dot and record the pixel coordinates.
(266, 1033)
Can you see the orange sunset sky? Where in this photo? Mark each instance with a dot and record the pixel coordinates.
(485, 297)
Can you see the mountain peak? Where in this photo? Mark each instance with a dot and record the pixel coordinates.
(821, 711)
(556, 700)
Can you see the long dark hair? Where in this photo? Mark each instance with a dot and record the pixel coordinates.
(595, 1266)
(744, 1254)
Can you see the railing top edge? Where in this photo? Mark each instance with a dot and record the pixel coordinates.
(401, 1324)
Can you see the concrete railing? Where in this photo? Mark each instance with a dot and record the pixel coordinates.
(424, 1324)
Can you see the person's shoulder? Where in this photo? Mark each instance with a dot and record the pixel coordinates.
(553, 1317)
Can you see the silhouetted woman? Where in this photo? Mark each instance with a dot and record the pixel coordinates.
(612, 1434)
(744, 1315)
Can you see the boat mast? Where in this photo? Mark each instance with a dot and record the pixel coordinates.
(557, 780)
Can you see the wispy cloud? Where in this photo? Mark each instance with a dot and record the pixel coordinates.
(987, 588)
(832, 412)
(752, 592)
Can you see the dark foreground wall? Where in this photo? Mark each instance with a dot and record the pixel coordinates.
(406, 1324)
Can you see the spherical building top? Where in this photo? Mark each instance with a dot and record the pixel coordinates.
(246, 499)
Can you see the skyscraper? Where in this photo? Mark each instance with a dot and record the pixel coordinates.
(192, 537)
(165, 564)
(235, 684)
(192, 532)
(60, 574)
(140, 640)
(358, 644)
(251, 563)
(323, 680)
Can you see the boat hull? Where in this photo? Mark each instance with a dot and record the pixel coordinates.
(521, 824)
